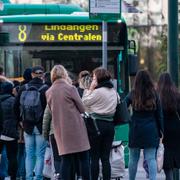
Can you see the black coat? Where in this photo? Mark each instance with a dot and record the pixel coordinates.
(146, 127)
(37, 82)
(171, 140)
(9, 121)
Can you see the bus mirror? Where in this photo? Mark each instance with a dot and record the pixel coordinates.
(4, 38)
(133, 64)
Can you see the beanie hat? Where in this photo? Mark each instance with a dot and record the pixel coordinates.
(27, 74)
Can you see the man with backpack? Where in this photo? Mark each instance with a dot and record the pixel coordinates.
(30, 104)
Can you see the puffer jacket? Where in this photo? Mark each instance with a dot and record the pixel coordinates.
(8, 119)
(47, 128)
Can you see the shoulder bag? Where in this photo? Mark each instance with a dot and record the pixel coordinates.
(121, 115)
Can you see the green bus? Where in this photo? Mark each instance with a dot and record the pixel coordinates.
(62, 34)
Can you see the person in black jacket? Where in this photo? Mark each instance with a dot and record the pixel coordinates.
(170, 100)
(26, 76)
(8, 127)
(35, 144)
(146, 126)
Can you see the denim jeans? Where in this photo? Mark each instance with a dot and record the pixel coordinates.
(4, 164)
(149, 156)
(35, 146)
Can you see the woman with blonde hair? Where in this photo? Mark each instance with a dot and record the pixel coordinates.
(69, 128)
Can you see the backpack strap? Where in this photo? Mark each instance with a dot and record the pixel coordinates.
(29, 87)
(42, 87)
(26, 86)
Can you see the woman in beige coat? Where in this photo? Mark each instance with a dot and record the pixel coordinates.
(69, 127)
(101, 101)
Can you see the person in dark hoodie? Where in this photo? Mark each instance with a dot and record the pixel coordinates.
(8, 127)
(27, 76)
(35, 144)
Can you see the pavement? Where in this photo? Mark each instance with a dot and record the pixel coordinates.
(141, 175)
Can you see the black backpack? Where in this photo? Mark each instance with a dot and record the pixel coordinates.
(30, 104)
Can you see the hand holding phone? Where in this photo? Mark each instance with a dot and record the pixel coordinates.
(93, 85)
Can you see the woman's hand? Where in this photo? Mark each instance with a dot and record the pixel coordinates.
(93, 85)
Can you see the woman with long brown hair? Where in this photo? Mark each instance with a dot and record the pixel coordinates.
(146, 127)
(170, 100)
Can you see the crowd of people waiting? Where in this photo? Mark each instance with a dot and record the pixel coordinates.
(46, 109)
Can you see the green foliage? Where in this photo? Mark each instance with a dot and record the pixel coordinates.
(151, 47)
(161, 61)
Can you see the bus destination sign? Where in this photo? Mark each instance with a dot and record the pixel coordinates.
(56, 33)
(25, 33)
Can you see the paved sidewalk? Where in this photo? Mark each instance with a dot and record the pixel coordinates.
(142, 176)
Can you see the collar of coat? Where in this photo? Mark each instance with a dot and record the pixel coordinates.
(57, 81)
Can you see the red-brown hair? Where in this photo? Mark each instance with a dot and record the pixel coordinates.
(102, 74)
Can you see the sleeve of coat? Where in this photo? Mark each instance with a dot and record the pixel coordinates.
(43, 97)
(90, 97)
(128, 99)
(46, 122)
(159, 117)
(77, 100)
